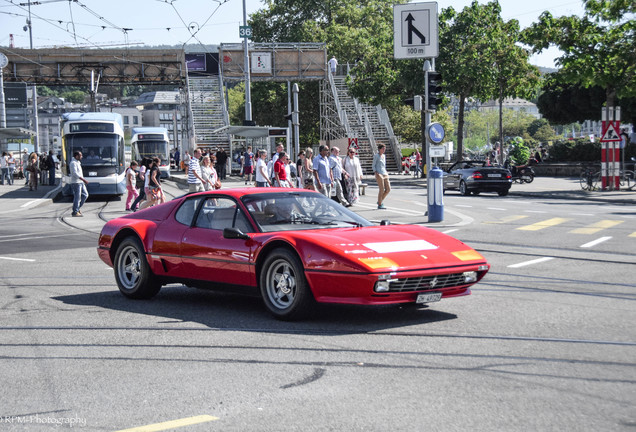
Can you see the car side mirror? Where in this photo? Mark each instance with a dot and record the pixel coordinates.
(234, 233)
(385, 222)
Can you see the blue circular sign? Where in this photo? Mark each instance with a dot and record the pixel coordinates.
(436, 133)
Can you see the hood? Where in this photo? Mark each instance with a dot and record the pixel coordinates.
(393, 247)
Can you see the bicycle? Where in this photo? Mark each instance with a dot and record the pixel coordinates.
(590, 178)
(628, 178)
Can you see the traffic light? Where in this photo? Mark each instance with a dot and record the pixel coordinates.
(434, 90)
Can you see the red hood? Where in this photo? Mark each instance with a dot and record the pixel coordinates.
(395, 247)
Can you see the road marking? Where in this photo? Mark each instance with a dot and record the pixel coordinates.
(632, 234)
(543, 224)
(497, 208)
(27, 204)
(532, 262)
(598, 226)
(449, 231)
(536, 211)
(172, 424)
(17, 259)
(463, 205)
(582, 214)
(595, 242)
(508, 219)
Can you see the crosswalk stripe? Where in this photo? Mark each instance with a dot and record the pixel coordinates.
(632, 234)
(596, 227)
(508, 219)
(543, 224)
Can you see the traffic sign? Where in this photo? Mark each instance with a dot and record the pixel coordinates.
(415, 30)
(610, 131)
(437, 151)
(435, 132)
(245, 32)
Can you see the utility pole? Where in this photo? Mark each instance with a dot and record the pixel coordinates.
(36, 144)
(246, 62)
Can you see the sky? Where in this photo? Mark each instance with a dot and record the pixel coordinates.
(114, 23)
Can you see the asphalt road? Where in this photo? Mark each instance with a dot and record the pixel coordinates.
(546, 341)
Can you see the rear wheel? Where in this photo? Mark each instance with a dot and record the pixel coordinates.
(132, 272)
(284, 287)
(463, 189)
(503, 192)
(528, 178)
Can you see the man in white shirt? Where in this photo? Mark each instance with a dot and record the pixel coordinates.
(78, 184)
(335, 163)
(333, 64)
(195, 179)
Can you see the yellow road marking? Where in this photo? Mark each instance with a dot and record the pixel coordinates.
(543, 224)
(172, 424)
(598, 226)
(632, 234)
(508, 219)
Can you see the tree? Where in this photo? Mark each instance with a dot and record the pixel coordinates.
(598, 48)
(466, 56)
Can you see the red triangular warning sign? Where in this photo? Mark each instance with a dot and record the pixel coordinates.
(611, 133)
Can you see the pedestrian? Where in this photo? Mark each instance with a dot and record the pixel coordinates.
(221, 162)
(300, 168)
(140, 183)
(33, 169)
(154, 193)
(195, 181)
(353, 168)
(248, 165)
(186, 162)
(262, 177)
(337, 173)
(25, 165)
(418, 163)
(78, 184)
(11, 165)
(322, 172)
(131, 185)
(308, 169)
(4, 167)
(381, 175)
(177, 157)
(51, 163)
(333, 65)
(44, 169)
(209, 174)
(280, 171)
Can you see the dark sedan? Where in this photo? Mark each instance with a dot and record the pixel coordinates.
(477, 176)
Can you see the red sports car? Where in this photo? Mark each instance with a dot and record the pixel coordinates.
(294, 246)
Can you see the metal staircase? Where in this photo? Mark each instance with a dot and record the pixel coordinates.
(343, 116)
(208, 111)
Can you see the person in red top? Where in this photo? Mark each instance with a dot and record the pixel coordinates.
(279, 170)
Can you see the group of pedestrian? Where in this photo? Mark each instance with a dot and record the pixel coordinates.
(202, 174)
(7, 165)
(146, 178)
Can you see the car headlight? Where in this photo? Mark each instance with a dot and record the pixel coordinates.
(470, 276)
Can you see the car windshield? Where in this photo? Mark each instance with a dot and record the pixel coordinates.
(284, 211)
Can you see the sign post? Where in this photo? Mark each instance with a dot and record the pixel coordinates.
(416, 35)
(610, 148)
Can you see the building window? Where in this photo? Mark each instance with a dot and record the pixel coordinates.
(126, 120)
(135, 120)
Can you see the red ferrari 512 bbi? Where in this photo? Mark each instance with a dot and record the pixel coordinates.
(295, 247)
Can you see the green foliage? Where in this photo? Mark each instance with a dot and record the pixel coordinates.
(518, 151)
(75, 96)
(579, 150)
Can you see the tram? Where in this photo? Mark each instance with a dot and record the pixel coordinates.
(149, 142)
(100, 138)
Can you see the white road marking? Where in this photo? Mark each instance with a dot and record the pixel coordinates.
(463, 205)
(497, 208)
(532, 262)
(449, 231)
(17, 259)
(582, 214)
(595, 242)
(535, 211)
(28, 203)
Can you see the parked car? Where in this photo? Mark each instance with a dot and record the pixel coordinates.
(293, 247)
(476, 177)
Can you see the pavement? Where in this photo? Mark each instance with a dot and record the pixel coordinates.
(542, 187)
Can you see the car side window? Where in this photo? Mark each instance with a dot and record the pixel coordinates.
(221, 213)
(188, 209)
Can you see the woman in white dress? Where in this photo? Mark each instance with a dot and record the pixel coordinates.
(351, 165)
(208, 174)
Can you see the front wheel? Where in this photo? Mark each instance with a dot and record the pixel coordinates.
(283, 285)
(132, 272)
(528, 178)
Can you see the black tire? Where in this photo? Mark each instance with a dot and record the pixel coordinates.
(529, 178)
(503, 192)
(284, 287)
(463, 189)
(132, 272)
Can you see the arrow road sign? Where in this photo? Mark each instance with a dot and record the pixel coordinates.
(415, 30)
(411, 29)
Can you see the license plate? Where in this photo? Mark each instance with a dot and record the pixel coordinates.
(428, 298)
(494, 175)
(92, 173)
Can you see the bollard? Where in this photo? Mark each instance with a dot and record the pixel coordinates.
(435, 194)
